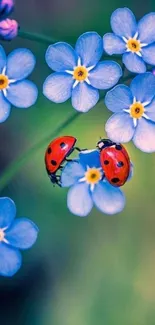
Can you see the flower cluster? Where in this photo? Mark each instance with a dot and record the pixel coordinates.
(8, 27)
(89, 186)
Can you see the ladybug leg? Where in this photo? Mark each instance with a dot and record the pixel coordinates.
(68, 160)
(79, 150)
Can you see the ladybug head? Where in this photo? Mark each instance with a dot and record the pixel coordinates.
(103, 143)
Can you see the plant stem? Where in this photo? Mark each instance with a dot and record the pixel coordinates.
(36, 37)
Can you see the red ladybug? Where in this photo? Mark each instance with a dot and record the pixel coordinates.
(57, 152)
(115, 162)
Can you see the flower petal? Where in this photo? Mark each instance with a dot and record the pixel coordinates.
(150, 110)
(113, 44)
(20, 63)
(134, 63)
(89, 47)
(118, 98)
(79, 201)
(5, 108)
(143, 87)
(123, 22)
(22, 94)
(131, 172)
(10, 260)
(2, 59)
(58, 87)
(71, 173)
(146, 27)
(90, 158)
(61, 56)
(144, 137)
(108, 199)
(120, 128)
(148, 54)
(22, 234)
(84, 97)
(105, 75)
(7, 212)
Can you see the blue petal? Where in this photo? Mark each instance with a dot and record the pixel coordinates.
(79, 201)
(143, 87)
(84, 97)
(123, 22)
(5, 108)
(148, 54)
(134, 63)
(146, 27)
(105, 75)
(20, 63)
(7, 212)
(58, 87)
(108, 199)
(71, 173)
(22, 94)
(120, 128)
(119, 98)
(144, 137)
(89, 47)
(22, 233)
(113, 44)
(150, 110)
(61, 56)
(131, 172)
(2, 59)
(10, 260)
(90, 158)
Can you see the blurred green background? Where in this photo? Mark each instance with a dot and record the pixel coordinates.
(82, 271)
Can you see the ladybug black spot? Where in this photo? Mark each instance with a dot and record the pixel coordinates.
(106, 162)
(53, 162)
(115, 180)
(118, 147)
(120, 164)
(62, 144)
(49, 150)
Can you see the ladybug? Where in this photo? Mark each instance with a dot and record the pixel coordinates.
(115, 162)
(56, 153)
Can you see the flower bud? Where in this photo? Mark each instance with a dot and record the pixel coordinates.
(8, 29)
(6, 7)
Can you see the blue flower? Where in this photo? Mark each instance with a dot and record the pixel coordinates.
(14, 235)
(6, 7)
(89, 186)
(79, 74)
(134, 41)
(8, 29)
(134, 110)
(14, 88)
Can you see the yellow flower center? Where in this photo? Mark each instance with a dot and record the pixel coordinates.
(93, 176)
(4, 81)
(80, 73)
(2, 235)
(136, 110)
(134, 45)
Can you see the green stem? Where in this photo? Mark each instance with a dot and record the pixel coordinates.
(36, 37)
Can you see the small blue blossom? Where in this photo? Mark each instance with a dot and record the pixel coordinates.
(14, 88)
(89, 186)
(134, 109)
(8, 29)
(6, 7)
(14, 235)
(134, 40)
(79, 74)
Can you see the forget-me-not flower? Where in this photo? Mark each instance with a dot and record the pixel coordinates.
(14, 88)
(79, 74)
(8, 29)
(136, 41)
(6, 7)
(89, 187)
(15, 234)
(134, 109)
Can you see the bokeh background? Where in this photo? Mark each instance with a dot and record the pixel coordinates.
(96, 270)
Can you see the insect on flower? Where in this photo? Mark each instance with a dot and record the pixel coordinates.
(14, 235)
(135, 41)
